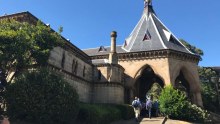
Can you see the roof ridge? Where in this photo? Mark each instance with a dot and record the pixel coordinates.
(172, 34)
(99, 47)
(161, 40)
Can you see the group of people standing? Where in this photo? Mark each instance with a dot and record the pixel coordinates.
(138, 106)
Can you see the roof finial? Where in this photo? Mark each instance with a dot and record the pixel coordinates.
(147, 2)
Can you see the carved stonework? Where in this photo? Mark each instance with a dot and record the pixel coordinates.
(153, 55)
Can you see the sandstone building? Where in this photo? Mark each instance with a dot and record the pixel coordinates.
(150, 54)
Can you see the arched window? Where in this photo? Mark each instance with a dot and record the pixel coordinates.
(63, 60)
(73, 65)
(99, 75)
(75, 68)
(84, 71)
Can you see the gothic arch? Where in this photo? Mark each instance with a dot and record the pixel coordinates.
(144, 80)
(190, 76)
(190, 73)
(141, 70)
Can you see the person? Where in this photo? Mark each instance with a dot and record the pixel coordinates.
(156, 106)
(137, 107)
(149, 107)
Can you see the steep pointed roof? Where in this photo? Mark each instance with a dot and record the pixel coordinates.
(151, 34)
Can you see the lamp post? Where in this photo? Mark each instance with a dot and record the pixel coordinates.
(215, 80)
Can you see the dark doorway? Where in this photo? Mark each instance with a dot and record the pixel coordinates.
(144, 83)
(182, 84)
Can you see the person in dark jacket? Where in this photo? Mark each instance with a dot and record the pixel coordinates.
(149, 104)
(156, 107)
(137, 108)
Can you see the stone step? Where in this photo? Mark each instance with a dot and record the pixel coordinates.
(215, 117)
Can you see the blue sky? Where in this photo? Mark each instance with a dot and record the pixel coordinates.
(88, 23)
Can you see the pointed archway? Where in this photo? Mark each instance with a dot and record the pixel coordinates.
(182, 84)
(145, 81)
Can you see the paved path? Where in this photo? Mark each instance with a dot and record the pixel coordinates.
(157, 120)
(178, 122)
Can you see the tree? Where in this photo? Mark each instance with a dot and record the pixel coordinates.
(23, 45)
(209, 93)
(60, 29)
(192, 48)
(155, 91)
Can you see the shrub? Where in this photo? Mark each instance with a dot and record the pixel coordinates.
(41, 97)
(98, 113)
(104, 113)
(174, 104)
(197, 114)
(127, 111)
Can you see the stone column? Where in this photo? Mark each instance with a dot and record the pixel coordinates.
(113, 58)
(199, 99)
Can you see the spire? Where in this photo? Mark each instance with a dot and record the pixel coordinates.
(147, 3)
(151, 34)
(148, 7)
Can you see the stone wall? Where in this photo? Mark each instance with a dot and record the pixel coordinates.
(108, 84)
(108, 93)
(190, 72)
(133, 69)
(69, 62)
(74, 70)
(83, 88)
(108, 73)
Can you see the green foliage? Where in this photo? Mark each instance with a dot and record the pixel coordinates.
(206, 73)
(60, 29)
(209, 97)
(209, 93)
(174, 104)
(155, 91)
(41, 97)
(98, 113)
(197, 114)
(192, 48)
(23, 45)
(127, 111)
(104, 113)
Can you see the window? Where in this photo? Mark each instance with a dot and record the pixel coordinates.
(102, 49)
(84, 71)
(75, 68)
(99, 75)
(63, 60)
(125, 43)
(173, 40)
(147, 36)
(73, 65)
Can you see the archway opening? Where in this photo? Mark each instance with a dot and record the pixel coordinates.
(182, 84)
(145, 82)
